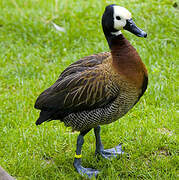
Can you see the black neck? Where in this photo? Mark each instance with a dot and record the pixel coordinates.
(114, 40)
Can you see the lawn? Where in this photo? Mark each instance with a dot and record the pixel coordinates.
(33, 54)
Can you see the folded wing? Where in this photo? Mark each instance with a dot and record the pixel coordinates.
(82, 86)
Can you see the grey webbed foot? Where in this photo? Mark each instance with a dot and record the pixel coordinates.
(110, 153)
(106, 153)
(86, 172)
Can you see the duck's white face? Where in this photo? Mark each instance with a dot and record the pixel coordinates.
(120, 15)
(116, 18)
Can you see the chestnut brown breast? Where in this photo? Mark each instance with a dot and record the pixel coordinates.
(128, 64)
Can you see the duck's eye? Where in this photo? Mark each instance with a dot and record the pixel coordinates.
(118, 18)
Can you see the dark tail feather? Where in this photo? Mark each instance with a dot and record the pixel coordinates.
(44, 116)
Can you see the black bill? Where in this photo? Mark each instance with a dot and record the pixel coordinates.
(131, 27)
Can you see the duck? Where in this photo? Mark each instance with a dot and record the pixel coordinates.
(98, 89)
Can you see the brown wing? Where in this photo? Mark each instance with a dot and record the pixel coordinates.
(82, 86)
(85, 63)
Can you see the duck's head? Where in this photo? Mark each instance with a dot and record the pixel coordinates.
(116, 18)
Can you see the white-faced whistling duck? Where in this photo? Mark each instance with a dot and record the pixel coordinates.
(98, 89)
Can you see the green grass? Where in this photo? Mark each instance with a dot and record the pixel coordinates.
(33, 54)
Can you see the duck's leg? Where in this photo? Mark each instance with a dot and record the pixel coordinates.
(77, 161)
(106, 153)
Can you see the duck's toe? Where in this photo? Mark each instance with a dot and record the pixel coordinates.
(111, 153)
(87, 172)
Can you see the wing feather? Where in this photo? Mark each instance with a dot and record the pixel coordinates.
(82, 86)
